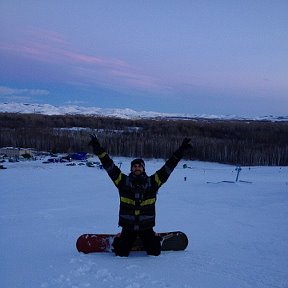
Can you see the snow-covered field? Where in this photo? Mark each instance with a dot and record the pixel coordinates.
(238, 234)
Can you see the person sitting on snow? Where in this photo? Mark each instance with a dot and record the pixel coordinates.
(137, 193)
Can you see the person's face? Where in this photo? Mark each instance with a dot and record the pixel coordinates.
(137, 169)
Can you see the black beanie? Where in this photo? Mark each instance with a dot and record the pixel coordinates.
(138, 161)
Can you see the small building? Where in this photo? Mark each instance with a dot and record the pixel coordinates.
(12, 152)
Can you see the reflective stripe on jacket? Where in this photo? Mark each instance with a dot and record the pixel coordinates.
(138, 194)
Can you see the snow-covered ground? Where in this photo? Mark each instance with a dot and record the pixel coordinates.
(238, 234)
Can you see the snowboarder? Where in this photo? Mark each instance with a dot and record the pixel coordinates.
(137, 193)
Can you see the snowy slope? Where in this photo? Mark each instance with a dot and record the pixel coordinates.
(237, 231)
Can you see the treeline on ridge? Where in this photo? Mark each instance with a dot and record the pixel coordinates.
(233, 142)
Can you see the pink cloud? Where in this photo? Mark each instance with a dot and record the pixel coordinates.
(51, 48)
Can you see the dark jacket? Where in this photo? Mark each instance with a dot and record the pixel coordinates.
(138, 194)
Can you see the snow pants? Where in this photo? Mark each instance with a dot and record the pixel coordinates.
(122, 245)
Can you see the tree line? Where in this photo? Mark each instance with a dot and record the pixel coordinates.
(224, 141)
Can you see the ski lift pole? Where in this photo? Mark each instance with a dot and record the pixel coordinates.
(238, 169)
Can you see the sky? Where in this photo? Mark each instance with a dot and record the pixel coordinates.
(222, 57)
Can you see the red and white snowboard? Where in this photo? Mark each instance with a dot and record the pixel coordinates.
(88, 243)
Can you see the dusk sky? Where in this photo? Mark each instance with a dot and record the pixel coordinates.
(175, 56)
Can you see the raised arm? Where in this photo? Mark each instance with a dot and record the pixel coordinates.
(162, 175)
(113, 171)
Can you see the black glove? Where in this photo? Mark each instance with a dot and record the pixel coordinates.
(97, 149)
(184, 146)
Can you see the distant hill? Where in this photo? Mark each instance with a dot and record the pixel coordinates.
(47, 109)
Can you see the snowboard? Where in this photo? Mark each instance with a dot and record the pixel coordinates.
(88, 243)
